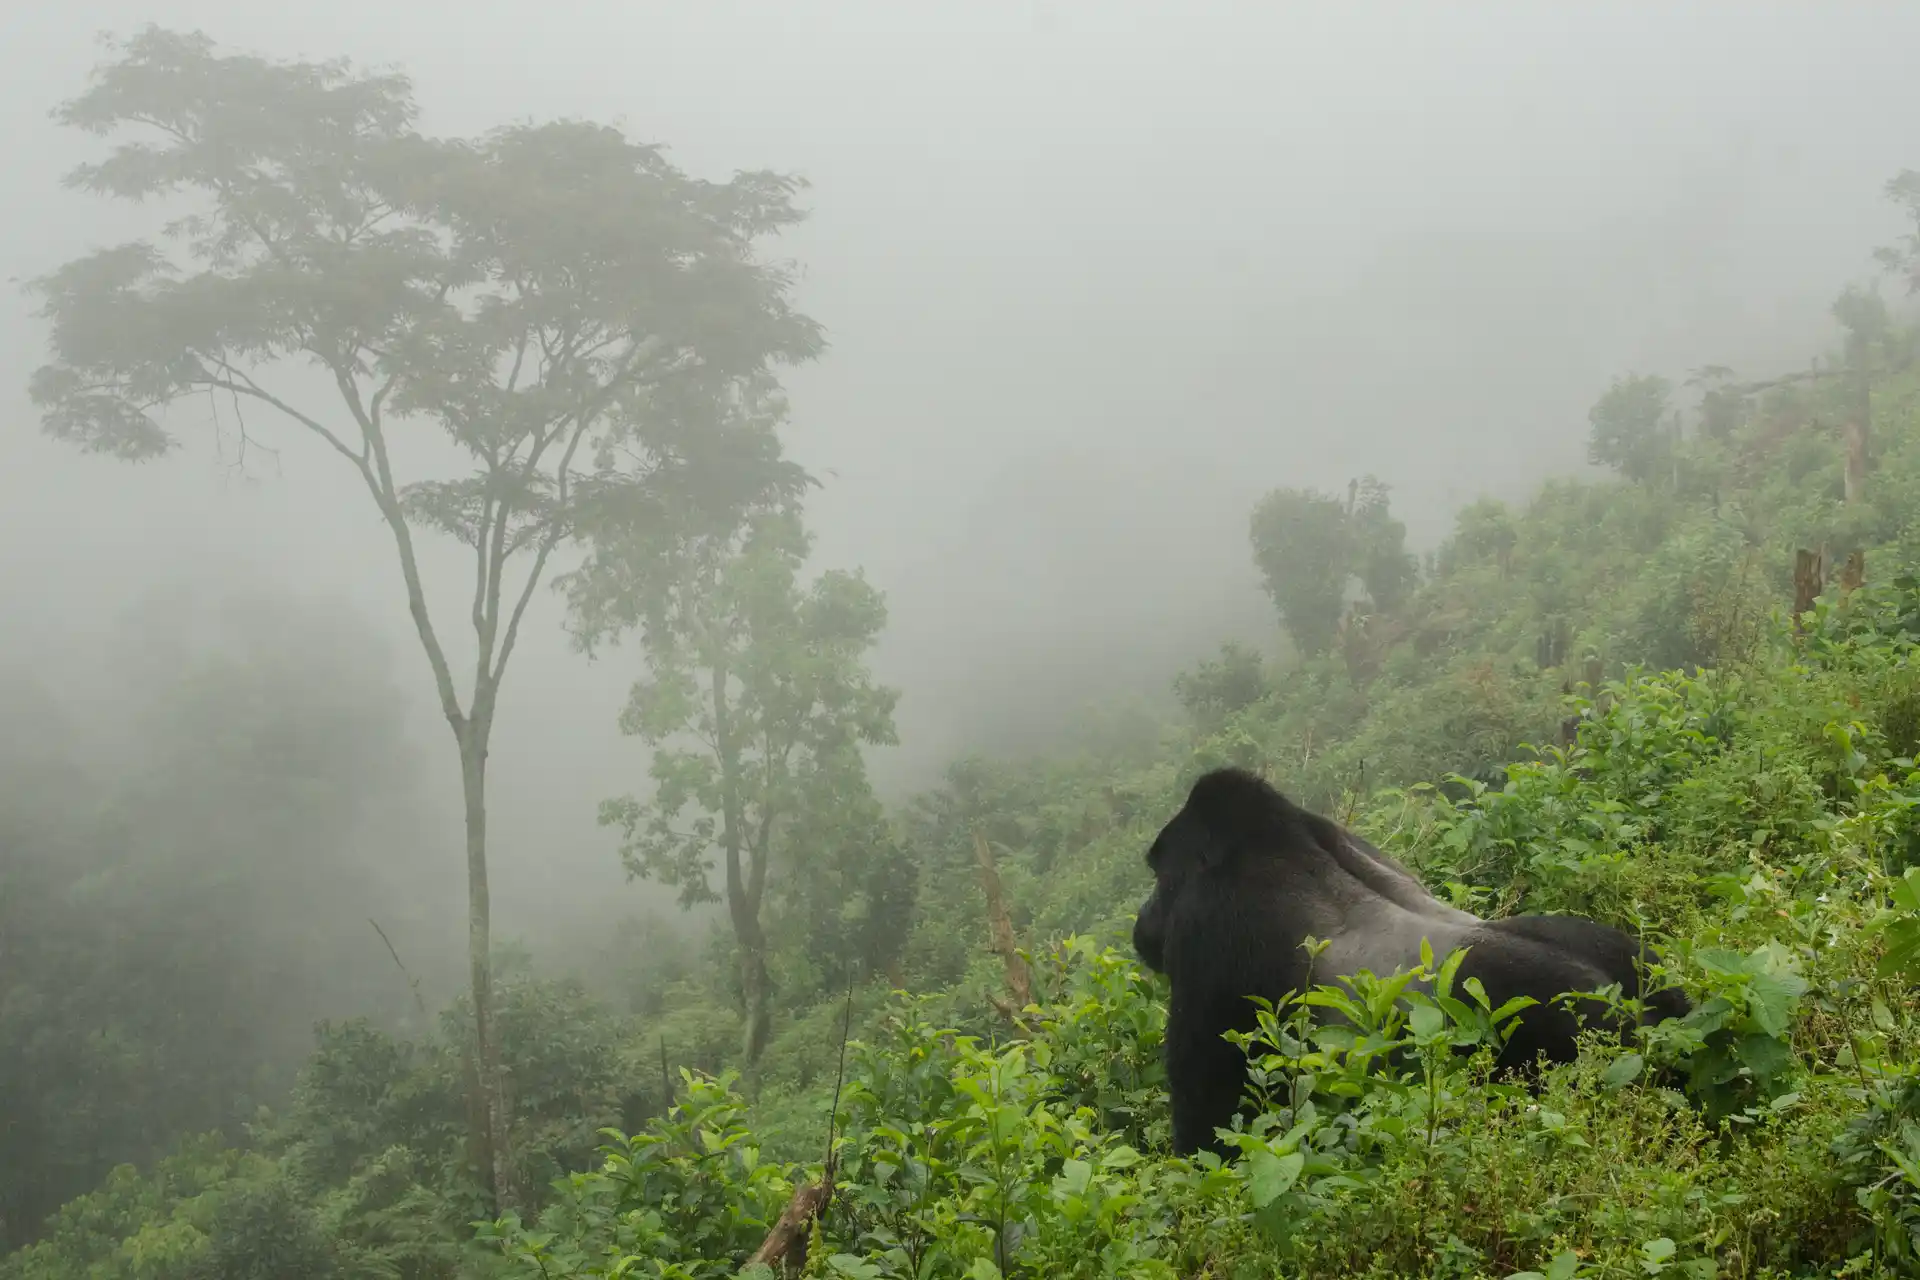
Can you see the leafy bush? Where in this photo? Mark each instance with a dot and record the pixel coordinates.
(1587, 703)
(1771, 1131)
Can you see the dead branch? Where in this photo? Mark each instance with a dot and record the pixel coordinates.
(1019, 980)
(426, 1019)
(1784, 380)
(786, 1244)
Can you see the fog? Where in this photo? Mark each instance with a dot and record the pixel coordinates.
(1095, 276)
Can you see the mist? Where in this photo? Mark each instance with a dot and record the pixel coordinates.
(1095, 276)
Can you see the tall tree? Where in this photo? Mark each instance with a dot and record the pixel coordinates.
(1628, 426)
(579, 331)
(1299, 541)
(1902, 258)
(757, 704)
(1311, 547)
(1867, 326)
(1381, 561)
(1222, 686)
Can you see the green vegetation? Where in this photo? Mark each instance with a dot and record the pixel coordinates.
(1599, 702)
(579, 323)
(769, 680)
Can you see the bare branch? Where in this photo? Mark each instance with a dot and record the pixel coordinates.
(519, 358)
(483, 558)
(1019, 980)
(786, 1243)
(247, 444)
(582, 421)
(239, 384)
(380, 484)
(1787, 379)
(556, 526)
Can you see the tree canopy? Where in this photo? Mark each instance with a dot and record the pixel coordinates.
(579, 331)
(1311, 547)
(757, 704)
(1629, 427)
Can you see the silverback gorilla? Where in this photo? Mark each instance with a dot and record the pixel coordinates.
(1242, 876)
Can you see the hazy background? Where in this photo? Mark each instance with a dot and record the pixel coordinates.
(1095, 276)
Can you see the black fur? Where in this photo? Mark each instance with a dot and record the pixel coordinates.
(1242, 875)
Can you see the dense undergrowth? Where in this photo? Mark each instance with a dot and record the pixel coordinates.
(1742, 791)
(1764, 823)
(1762, 819)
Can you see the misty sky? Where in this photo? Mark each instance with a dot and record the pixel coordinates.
(1095, 276)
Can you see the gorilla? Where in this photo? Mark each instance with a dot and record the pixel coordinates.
(1242, 876)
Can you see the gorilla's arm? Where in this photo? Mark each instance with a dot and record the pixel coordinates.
(1206, 1075)
(1218, 921)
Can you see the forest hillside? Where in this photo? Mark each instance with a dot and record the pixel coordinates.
(1597, 702)
(1678, 695)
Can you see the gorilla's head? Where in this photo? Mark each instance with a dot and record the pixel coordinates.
(1150, 926)
(1230, 815)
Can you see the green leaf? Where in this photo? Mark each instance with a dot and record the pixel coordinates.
(1426, 1020)
(1270, 1176)
(1508, 1008)
(1564, 1266)
(1902, 954)
(1906, 890)
(1623, 1069)
(1771, 999)
(1765, 1055)
(1075, 1177)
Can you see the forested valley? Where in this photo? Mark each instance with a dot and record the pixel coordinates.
(860, 1038)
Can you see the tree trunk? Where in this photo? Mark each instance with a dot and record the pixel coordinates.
(1858, 430)
(487, 1107)
(1854, 478)
(756, 990)
(743, 909)
(1809, 580)
(1000, 925)
(744, 890)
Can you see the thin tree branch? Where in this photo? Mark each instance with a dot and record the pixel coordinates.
(245, 386)
(556, 527)
(519, 358)
(386, 497)
(482, 539)
(426, 1019)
